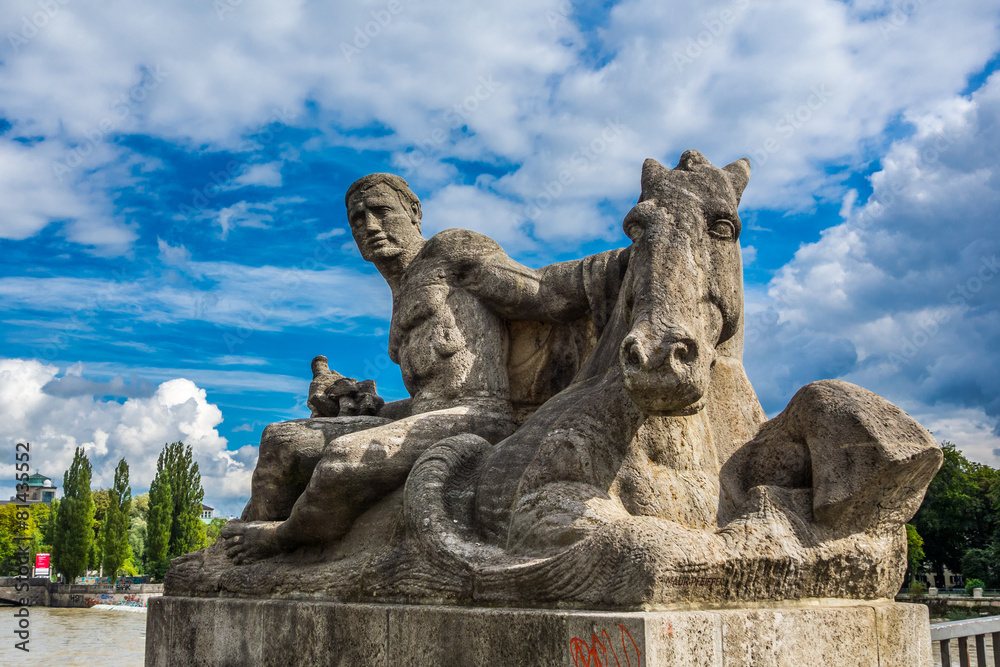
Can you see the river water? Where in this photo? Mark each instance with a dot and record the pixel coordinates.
(64, 637)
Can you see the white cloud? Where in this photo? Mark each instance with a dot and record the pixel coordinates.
(795, 85)
(34, 197)
(267, 175)
(903, 297)
(136, 429)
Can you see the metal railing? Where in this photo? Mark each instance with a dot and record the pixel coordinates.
(951, 593)
(962, 631)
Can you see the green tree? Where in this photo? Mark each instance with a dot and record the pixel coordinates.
(159, 518)
(42, 516)
(213, 529)
(74, 526)
(49, 534)
(914, 552)
(21, 526)
(980, 564)
(9, 531)
(957, 513)
(187, 532)
(116, 551)
(137, 531)
(101, 502)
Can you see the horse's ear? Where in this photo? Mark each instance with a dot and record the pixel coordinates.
(653, 174)
(739, 175)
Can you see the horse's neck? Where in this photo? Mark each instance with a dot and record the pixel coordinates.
(733, 411)
(672, 469)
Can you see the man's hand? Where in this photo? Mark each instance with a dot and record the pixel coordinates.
(333, 395)
(354, 398)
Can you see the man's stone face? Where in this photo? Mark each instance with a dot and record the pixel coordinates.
(381, 224)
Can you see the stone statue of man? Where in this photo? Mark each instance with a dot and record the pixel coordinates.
(455, 297)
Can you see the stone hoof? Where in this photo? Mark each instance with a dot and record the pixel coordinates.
(246, 542)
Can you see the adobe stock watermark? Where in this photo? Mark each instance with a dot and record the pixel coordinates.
(121, 108)
(898, 17)
(451, 120)
(30, 26)
(560, 14)
(790, 123)
(324, 249)
(364, 34)
(715, 27)
(582, 159)
(886, 196)
(960, 295)
(224, 7)
(109, 296)
(22, 553)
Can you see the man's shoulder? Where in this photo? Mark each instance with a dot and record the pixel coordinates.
(461, 243)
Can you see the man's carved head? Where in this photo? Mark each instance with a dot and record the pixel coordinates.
(395, 183)
(384, 215)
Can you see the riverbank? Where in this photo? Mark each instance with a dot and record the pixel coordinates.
(45, 593)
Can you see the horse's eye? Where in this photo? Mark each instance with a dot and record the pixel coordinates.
(723, 229)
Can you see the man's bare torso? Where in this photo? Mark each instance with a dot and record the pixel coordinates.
(451, 348)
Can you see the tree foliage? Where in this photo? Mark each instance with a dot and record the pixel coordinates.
(958, 519)
(914, 551)
(101, 501)
(957, 513)
(214, 529)
(173, 524)
(74, 525)
(10, 529)
(187, 532)
(158, 522)
(115, 545)
(137, 531)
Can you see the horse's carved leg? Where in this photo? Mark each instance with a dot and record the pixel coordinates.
(867, 462)
(559, 515)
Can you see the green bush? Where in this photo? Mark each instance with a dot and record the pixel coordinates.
(918, 589)
(974, 583)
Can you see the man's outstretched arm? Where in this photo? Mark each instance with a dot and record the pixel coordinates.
(554, 293)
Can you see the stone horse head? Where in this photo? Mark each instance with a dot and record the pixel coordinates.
(683, 293)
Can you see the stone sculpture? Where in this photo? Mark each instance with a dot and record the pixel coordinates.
(581, 435)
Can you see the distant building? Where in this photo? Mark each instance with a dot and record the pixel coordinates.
(951, 580)
(207, 513)
(40, 490)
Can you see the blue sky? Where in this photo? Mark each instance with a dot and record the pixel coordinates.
(172, 177)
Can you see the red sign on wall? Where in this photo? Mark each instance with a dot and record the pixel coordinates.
(41, 565)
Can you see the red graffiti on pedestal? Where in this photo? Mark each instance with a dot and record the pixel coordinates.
(595, 653)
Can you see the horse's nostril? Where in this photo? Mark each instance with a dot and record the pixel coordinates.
(685, 352)
(634, 355)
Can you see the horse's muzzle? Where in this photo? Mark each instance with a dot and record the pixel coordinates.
(665, 375)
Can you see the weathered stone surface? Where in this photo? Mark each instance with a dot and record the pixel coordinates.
(188, 631)
(292, 633)
(581, 435)
(897, 648)
(318, 634)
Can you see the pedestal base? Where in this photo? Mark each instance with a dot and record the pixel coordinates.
(221, 631)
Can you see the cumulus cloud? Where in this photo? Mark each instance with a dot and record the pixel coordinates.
(903, 296)
(55, 424)
(535, 88)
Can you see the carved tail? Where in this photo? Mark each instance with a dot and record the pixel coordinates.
(438, 503)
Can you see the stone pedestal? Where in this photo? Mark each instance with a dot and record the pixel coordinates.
(227, 631)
